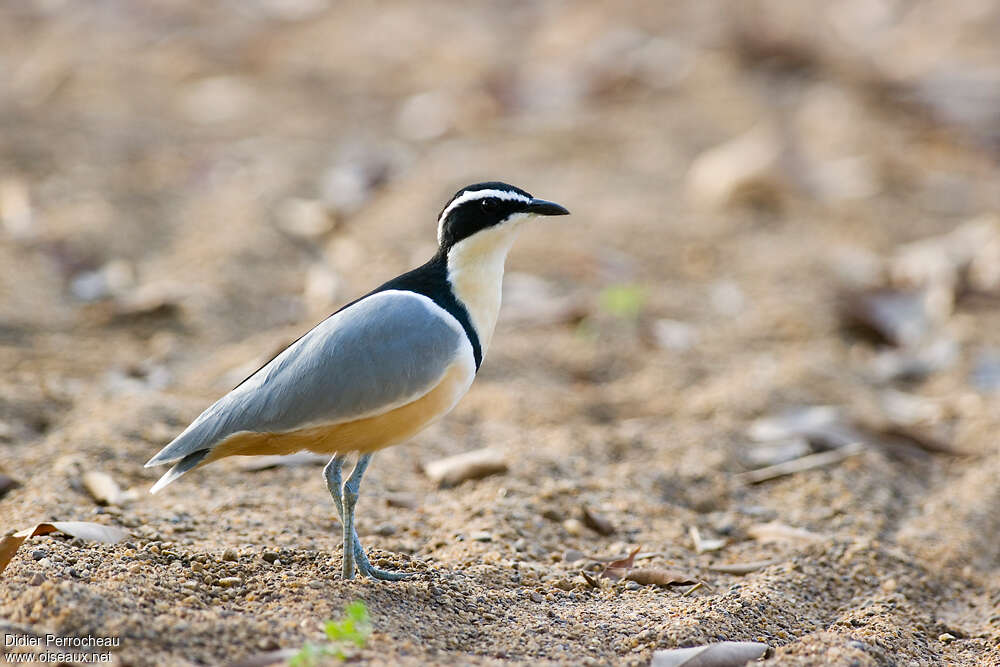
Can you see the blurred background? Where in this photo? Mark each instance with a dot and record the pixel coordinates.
(776, 206)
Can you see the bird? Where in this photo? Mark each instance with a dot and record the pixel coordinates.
(378, 370)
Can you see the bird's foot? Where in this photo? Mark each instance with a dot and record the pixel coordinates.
(366, 568)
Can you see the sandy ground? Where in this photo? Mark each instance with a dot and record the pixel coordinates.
(188, 187)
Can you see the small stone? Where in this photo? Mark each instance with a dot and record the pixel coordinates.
(574, 527)
(315, 584)
(536, 597)
(674, 335)
(480, 536)
(572, 556)
(946, 637)
(632, 586)
(229, 582)
(39, 554)
(476, 464)
(744, 169)
(37, 579)
(385, 529)
(196, 566)
(229, 555)
(269, 556)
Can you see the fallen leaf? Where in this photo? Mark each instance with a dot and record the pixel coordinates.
(780, 532)
(898, 317)
(476, 464)
(657, 576)
(741, 568)
(723, 654)
(701, 544)
(777, 451)
(82, 529)
(596, 522)
(825, 426)
(617, 569)
(104, 489)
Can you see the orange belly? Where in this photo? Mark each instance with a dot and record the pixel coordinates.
(361, 435)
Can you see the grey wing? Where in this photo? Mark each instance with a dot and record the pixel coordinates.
(382, 352)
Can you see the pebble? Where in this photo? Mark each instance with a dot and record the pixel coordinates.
(229, 555)
(39, 554)
(228, 582)
(744, 168)
(632, 586)
(196, 566)
(37, 579)
(536, 597)
(476, 464)
(946, 637)
(481, 536)
(574, 527)
(385, 529)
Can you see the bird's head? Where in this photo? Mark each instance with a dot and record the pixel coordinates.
(488, 206)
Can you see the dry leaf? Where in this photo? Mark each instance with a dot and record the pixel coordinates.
(897, 317)
(596, 522)
(617, 569)
(780, 532)
(82, 529)
(594, 583)
(476, 464)
(723, 654)
(741, 568)
(657, 576)
(701, 544)
(103, 488)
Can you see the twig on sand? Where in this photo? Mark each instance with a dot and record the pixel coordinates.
(802, 464)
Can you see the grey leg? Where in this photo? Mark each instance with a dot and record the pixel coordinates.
(351, 491)
(332, 473)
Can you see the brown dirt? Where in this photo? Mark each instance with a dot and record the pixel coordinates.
(172, 137)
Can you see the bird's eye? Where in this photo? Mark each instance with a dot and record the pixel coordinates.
(489, 204)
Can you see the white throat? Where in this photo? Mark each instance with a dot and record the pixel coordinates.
(475, 271)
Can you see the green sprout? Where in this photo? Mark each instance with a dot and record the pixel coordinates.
(346, 635)
(623, 301)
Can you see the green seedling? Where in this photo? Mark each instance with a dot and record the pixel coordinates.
(623, 301)
(344, 637)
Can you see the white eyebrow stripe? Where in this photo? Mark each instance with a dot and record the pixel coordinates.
(473, 195)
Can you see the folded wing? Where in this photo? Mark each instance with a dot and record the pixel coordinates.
(382, 352)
